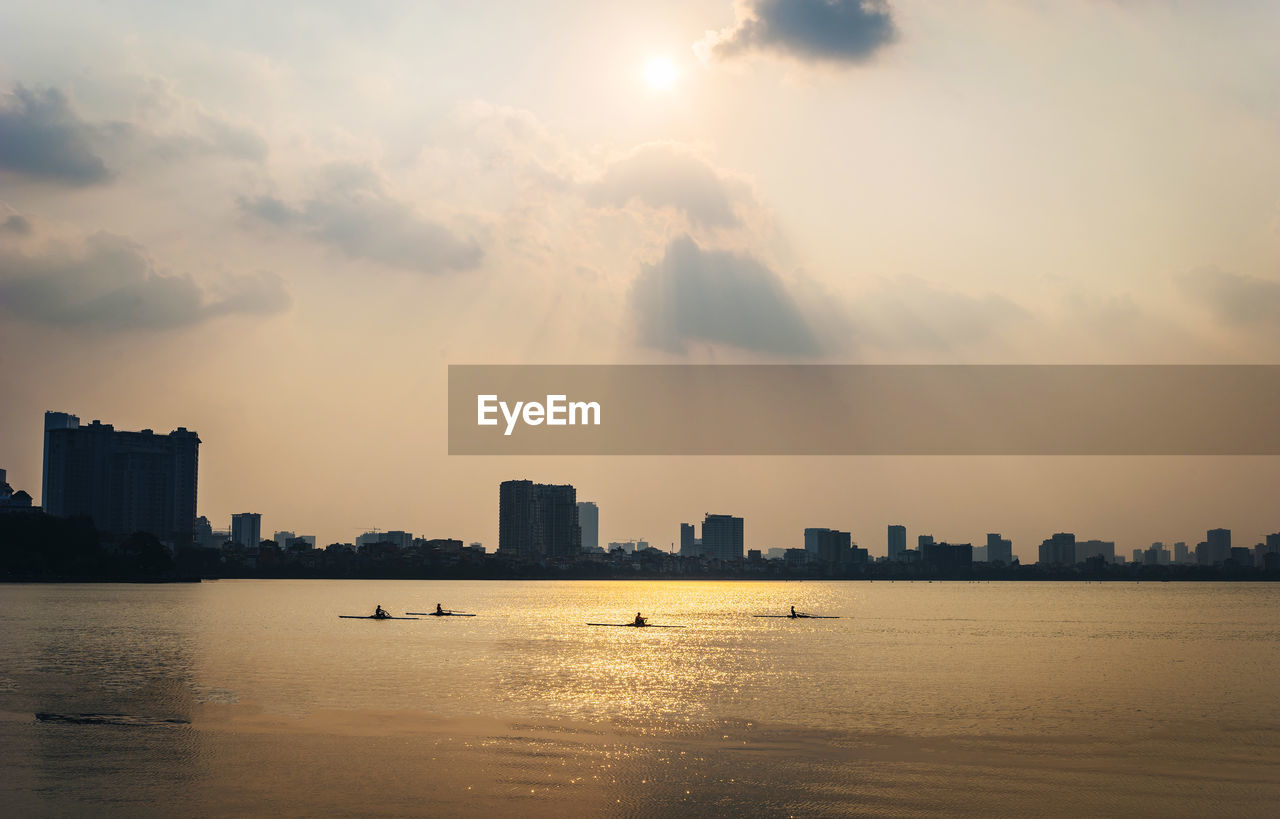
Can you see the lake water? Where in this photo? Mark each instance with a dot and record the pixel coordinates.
(252, 697)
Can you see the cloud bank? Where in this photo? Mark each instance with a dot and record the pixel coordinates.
(837, 31)
(108, 282)
(718, 297)
(354, 213)
(43, 138)
(662, 175)
(1235, 299)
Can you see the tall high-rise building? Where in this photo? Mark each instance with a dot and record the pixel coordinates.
(1059, 550)
(999, 549)
(52, 421)
(246, 529)
(537, 520)
(722, 537)
(827, 545)
(589, 522)
(1219, 541)
(688, 540)
(897, 542)
(125, 482)
(1105, 549)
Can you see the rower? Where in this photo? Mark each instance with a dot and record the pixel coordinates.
(640, 621)
(380, 613)
(439, 611)
(793, 613)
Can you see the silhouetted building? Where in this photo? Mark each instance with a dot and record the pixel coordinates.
(397, 538)
(1086, 549)
(537, 520)
(1181, 554)
(1059, 550)
(827, 545)
(1241, 556)
(628, 546)
(999, 549)
(947, 557)
(204, 533)
(722, 537)
(689, 544)
(1219, 541)
(897, 542)
(10, 501)
(125, 482)
(246, 529)
(589, 523)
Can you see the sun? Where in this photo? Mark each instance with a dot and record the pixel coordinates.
(660, 73)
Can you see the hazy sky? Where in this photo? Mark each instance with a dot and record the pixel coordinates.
(278, 223)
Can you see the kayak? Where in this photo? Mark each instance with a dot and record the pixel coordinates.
(633, 625)
(440, 614)
(371, 617)
(800, 616)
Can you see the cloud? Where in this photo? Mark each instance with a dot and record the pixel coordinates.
(354, 213)
(1235, 299)
(108, 282)
(840, 31)
(41, 137)
(718, 297)
(15, 224)
(911, 313)
(662, 175)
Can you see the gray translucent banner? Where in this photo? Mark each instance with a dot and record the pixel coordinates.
(863, 410)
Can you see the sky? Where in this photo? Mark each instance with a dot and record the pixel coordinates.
(278, 224)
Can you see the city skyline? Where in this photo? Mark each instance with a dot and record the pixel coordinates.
(538, 519)
(283, 238)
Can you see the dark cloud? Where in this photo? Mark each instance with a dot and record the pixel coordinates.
(41, 137)
(108, 282)
(717, 297)
(354, 213)
(16, 225)
(844, 31)
(664, 176)
(1235, 299)
(911, 314)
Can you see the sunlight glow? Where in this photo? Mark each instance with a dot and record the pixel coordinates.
(660, 73)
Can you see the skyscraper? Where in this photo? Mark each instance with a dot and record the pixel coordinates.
(688, 540)
(1059, 550)
(897, 542)
(589, 522)
(827, 545)
(722, 537)
(246, 529)
(125, 482)
(537, 520)
(999, 549)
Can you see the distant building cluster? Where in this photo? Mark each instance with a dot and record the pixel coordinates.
(128, 483)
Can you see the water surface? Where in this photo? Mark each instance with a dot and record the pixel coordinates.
(253, 697)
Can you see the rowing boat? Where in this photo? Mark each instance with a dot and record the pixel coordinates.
(633, 625)
(440, 613)
(800, 616)
(372, 617)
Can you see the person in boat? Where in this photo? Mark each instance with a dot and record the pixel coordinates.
(439, 611)
(793, 613)
(380, 612)
(639, 621)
